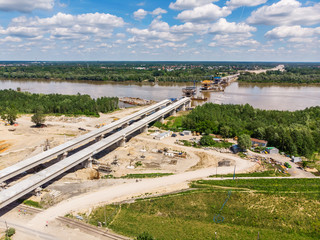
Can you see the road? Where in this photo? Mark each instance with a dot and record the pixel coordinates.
(127, 191)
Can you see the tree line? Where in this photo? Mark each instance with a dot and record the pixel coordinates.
(25, 102)
(296, 133)
(291, 75)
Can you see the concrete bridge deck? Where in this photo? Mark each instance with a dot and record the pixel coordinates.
(26, 186)
(34, 161)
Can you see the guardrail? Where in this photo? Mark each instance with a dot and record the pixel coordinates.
(34, 161)
(21, 188)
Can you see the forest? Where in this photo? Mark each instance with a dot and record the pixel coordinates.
(24, 102)
(296, 133)
(123, 71)
(303, 74)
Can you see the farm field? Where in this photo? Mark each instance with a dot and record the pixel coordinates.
(270, 208)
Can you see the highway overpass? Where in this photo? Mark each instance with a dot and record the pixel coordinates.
(26, 186)
(62, 150)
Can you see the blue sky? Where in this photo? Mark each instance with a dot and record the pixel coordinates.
(149, 30)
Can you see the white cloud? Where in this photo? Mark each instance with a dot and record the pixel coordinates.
(188, 4)
(292, 31)
(203, 14)
(25, 5)
(65, 26)
(10, 39)
(222, 26)
(190, 28)
(158, 11)
(140, 14)
(249, 3)
(286, 12)
(233, 40)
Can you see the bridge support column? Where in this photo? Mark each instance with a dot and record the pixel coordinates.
(125, 125)
(62, 156)
(189, 104)
(88, 163)
(174, 112)
(183, 107)
(2, 185)
(144, 129)
(122, 142)
(99, 138)
(161, 120)
(38, 191)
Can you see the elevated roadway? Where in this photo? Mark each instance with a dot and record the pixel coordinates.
(24, 187)
(62, 149)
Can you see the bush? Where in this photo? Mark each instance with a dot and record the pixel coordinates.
(145, 236)
(206, 140)
(244, 141)
(10, 232)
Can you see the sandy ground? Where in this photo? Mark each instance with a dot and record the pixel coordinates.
(74, 193)
(279, 67)
(26, 141)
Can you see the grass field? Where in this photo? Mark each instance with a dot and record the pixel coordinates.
(272, 208)
(269, 173)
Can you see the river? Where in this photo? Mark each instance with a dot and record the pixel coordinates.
(263, 96)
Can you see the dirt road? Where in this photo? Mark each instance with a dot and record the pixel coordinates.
(127, 191)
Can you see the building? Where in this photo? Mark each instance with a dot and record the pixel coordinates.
(257, 142)
(187, 132)
(161, 136)
(272, 150)
(296, 159)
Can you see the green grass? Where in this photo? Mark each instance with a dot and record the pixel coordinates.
(138, 175)
(274, 208)
(32, 203)
(270, 173)
(147, 175)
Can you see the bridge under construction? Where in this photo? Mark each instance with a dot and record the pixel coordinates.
(122, 130)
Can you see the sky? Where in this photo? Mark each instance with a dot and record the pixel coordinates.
(166, 30)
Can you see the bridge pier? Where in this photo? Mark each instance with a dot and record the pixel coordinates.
(88, 163)
(125, 125)
(174, 112)
(161, 120)
(2, 185)
(122, 142)
(183, 107)
(144, 129)
(62, 156)
(99, 138)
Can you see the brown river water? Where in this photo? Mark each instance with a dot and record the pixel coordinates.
(263, 96)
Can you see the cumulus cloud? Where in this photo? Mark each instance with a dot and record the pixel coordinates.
(205, 13)
(140, 14)
(222, 26)
(249, 3)
(188, 4)
(292, 32)
(158, 11)
(286, 12)
(25, 5)
(64, 26)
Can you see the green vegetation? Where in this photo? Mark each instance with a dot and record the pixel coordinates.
(139, 175)
(244, 141)
(32, 203)
(38, 118)
(123, 71)
(9, 114)
(207, 140)
(145, 236)
(296, 133)
(274, 208)
(310, 74)
(269, 173)
(147, 175)
(24, 102)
